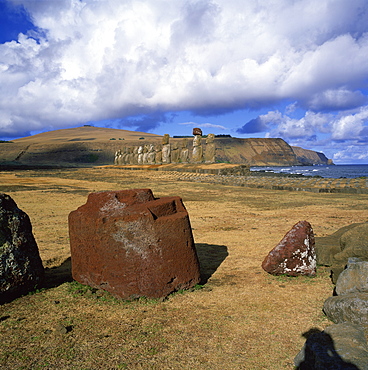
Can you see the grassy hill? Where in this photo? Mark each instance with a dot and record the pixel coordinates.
(89, 145)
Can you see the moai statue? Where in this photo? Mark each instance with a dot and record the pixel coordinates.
(175, 153)
(184, 152)
(145, 154)
(151, 154)
(122, 159)
(117, 156)
(135, 155)
(158, 154)
(130, 156)
(140, 155)
(166, 149)
(126, 156)
(197, 156)
(209, 156)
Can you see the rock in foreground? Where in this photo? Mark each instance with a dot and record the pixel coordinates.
(295, 254)
(338, 347)
(132, 244)
(353, 243)
(351, 303)
(21, 268)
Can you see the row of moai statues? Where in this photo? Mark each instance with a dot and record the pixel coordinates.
(166, 152)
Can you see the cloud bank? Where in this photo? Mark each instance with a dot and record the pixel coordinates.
(112, 60)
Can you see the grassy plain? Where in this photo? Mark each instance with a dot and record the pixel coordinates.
(241, 318)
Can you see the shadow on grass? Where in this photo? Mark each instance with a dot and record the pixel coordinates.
(319, 352)
(210, 258)
(53, 278)
(56, 276)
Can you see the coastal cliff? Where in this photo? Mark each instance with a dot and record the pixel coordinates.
(309, 157)
(89, 145)
(256, 152)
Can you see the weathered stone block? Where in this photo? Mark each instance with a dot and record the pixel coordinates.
(354, 243)
(21, 268)
(295, 254)
(354, 279)
(351, 307)
(132, 244)
(339, 346)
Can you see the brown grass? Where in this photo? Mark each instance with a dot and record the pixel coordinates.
(242, 318)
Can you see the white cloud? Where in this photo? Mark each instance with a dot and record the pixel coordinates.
(205, 125)
(350, 126)
(337, 99)
(352, 154)
(110, 59)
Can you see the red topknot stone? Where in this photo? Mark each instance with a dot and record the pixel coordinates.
(197, 131)
(295, 254)
(132, 244)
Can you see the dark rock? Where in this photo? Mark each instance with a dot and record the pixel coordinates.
(62, 329)
(353, 243)
(21, 269)
(340, 346)
(354, 279)
(351, 307)
(295, 254)
(131, 244)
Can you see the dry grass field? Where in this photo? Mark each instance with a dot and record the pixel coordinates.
(240, 318)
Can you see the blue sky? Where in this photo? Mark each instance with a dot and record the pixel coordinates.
(249, 68)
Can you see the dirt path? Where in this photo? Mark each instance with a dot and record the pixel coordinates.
(242, 318)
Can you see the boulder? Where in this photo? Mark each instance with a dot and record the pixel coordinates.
(356, 239)
(132, 244)
(353, 243)
(351, 302)
(339, 346)
(351, 307)
(354, 279)
(21, 269)
(327, 246)
(295, 254)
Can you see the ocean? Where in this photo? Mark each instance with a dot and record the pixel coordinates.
(335, 171)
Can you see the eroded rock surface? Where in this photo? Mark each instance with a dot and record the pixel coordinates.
(132, 244)
(295, 254)
(351, 303)
(352, 307)
(353, 243)
(339, 346)
(354, 279)
(21, 268)
(327, 246)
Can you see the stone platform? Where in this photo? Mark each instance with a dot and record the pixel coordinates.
(200, 168)
(240, 175)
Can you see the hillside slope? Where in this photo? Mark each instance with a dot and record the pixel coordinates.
(89, 145)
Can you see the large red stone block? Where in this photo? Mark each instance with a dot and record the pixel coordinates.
(132, 244)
